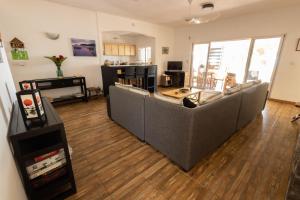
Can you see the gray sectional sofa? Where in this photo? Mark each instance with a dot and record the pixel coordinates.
(183, 134)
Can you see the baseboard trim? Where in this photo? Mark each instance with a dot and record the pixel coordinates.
(282, 101)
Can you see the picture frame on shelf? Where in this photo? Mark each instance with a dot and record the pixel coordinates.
(298, 45)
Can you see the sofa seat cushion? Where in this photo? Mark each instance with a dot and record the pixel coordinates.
(133, 89)
(232, 90)
(168, 99)
(209, 96)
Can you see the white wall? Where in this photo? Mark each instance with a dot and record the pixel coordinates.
(29, 20)
(279, 22)
(10, 182)
(164, 36)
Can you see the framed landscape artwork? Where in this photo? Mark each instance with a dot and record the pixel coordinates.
(83, 47)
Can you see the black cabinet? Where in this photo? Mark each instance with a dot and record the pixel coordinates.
(42, 156)
(177, 77)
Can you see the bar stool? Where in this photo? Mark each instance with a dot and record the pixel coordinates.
(128, 75)
(150, 78)
(140, 73)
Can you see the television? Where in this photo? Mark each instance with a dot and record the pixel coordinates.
(174, 65)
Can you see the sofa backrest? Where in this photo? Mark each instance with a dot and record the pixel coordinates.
(167, 126)
(213, 124)
(253, 102)
(128, 110)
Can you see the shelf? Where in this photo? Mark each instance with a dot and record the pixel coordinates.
(42, 151)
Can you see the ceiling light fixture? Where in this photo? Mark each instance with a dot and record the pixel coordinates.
(207, 7)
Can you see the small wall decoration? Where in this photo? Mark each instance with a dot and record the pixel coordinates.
(298, 45)
(83, 47)
(18, 51)
(165, 50)
(31, 107)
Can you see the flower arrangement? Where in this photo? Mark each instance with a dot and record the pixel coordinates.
(58, 60)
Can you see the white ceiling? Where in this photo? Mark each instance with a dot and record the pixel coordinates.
(173, 12)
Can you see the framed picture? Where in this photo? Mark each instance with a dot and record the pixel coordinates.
(165, 50)
(83, 47)
(298, 45)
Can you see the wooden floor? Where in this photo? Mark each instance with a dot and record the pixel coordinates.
(110, 163)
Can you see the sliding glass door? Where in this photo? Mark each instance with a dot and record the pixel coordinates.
(249, 59)
(226, 57)
(263, 59)
(200, 53)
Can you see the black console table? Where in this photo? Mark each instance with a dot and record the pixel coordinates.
(55, 83)
(43, 177)
(177, 77)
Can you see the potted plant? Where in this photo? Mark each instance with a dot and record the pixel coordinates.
(58, 60)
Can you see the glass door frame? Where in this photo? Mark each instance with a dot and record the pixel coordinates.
(192, 62)
(250, 53)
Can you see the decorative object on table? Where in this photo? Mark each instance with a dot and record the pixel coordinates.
(83, 47)
(298, 45)
(52, 36)
(27, 85)
(94, 92)
(31, 107)
(165, 50)
(18, 51)
(58, 60)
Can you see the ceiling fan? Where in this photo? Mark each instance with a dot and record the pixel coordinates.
(208, 8)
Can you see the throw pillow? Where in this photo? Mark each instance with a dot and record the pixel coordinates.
(188, 103)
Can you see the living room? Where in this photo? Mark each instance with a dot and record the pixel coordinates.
(140, 105)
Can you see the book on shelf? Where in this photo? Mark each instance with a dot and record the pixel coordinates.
(44, 179)
(45, 156)
(33, 166)
(48, 169)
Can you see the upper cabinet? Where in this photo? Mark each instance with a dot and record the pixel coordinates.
(119, 49)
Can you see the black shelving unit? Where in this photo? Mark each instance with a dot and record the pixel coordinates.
(27, 144)
(56, 83)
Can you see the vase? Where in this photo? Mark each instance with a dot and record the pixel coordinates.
(59, 72)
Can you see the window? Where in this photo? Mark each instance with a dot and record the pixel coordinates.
(145, 54)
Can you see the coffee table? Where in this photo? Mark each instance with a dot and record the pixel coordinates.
(193, 93)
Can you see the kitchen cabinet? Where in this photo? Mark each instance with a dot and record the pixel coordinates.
(115, 49)
(127, 50)
(119, 49)
(107, 49)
